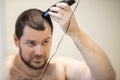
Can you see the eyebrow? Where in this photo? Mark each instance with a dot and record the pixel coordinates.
(47, 38)
(36, 41)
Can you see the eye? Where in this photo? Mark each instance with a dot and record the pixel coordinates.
(45, 42)
(31, 43)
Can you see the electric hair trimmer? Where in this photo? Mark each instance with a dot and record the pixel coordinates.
(69, 2)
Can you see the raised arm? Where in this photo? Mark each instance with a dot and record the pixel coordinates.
(95, 58)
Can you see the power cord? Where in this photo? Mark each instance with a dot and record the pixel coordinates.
(59, 41)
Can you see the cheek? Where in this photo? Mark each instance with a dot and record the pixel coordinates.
(27, 52)
(47, 51)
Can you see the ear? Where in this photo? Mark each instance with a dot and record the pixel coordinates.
(16, 40)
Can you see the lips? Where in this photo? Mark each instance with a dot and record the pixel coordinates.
(37, 60)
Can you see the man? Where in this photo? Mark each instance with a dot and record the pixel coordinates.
(33, 37)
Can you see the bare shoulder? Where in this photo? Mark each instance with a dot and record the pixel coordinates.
(75, 69)
(71, 63)
(9, 61)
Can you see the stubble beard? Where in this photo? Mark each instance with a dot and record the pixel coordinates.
(29, 64)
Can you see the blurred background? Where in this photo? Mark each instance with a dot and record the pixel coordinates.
(100, 19)
(2, 40)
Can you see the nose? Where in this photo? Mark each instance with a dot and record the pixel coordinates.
(38, 50)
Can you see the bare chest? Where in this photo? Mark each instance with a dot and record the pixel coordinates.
(51, 74)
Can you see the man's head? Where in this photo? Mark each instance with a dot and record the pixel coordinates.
(32, 18)
(33, 35)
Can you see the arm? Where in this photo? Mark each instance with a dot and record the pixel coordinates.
(95, 58)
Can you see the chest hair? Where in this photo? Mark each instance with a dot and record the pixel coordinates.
(19, 75)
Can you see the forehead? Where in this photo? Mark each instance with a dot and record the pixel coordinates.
(32, 34)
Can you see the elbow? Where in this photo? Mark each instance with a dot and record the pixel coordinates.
(106, 75)
(111, 75)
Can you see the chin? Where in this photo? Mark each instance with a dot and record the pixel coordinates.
(38, 65)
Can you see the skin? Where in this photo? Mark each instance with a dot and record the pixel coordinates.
(96, 65)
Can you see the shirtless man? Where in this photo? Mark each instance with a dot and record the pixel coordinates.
(33, 37)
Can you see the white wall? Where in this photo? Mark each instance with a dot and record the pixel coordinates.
(100, 19)
(2, 41)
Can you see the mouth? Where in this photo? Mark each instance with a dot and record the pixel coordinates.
(37, 60)
(37, 63)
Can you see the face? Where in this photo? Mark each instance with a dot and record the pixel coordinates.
(34, 47)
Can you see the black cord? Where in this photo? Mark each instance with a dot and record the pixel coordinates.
(60, 41)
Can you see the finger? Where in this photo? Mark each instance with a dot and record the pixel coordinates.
(57, 10)
(54, 14)
(62, 5)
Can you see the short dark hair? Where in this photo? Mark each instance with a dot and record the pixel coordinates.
(32, 18)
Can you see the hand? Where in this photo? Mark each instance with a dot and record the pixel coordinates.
(61, 14)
